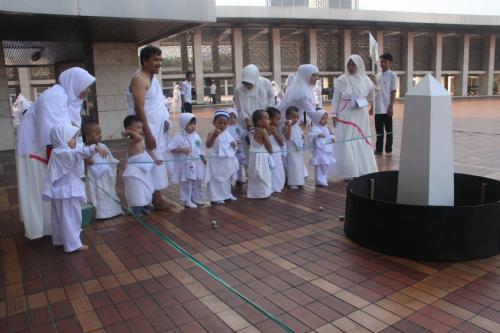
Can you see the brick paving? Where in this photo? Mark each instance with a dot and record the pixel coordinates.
(285, 254)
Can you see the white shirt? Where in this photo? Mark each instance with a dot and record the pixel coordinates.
(186, 88)
(387, 82)
(213, 89)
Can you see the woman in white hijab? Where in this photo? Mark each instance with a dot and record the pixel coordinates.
(350, 117)
(300, 93)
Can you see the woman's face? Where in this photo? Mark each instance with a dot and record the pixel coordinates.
(84, 93)
(313, 79)
(351, 67)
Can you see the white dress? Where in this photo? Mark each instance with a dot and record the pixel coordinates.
(278, 172)
(323, 155)
(295, 157)
(138, 180)
(101, 177)
(222, 168)
(259, 172)
(190, 166)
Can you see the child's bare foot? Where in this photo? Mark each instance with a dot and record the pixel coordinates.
(82, 248)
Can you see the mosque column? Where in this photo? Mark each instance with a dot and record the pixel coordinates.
(25, 82)
(6, 126)
(438, 56)
(198, 67)
(407, 82)
(486, 82)
(347, 47)
(276, 42)
(461, 82)
(313, 47)
(237, 55)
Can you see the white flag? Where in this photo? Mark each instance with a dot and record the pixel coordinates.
(373, 50)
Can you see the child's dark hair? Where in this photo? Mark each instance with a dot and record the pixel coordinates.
(147, 52)
(387, 56)
(86, 127)
(192, 121)
(129, 120)
(272, 112)
(256, 116)
(189, 73)
(291, 110)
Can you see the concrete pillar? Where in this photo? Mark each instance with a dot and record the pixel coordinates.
(114, 64)
(407, 82)
(438, 56)
(237, 55)
(461, 82)
(276, 55)
(347, 46)
(25, 82)
(313, 47)
(486, 83)
(7, 138)
(198, 67)
(160, 75)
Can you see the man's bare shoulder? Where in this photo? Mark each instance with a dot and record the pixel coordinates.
(140, 81)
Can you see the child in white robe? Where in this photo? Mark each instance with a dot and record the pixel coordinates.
(259, 164)
(189, 164)
(295, 168)
(322, 139)
(101, 176)
(239, 134)
(222, 164)
(278, 172)
(65, 189)
(138, 175)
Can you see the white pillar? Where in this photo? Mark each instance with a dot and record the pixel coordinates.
(426, 164)
(486, 84)
(198, 67)
(461, 82)
(276, 55)
(407, 82)
(237, 55)
(438, 56)
(25, 82)
(7, 139)
(347, 46)
(313, 47)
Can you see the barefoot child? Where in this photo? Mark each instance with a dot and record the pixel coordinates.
(295, 148)
(278, 172)
(65, 188)
(259, 171)
(189, 165)
(239, 134)
(223, 164)
(138, 176)
(101, 176)
(322, 140)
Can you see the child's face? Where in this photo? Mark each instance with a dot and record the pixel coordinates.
(136, 126)
(93, 135)
(275, 121)
(324, 120)
(293, 117)
(232, 119)
(221, 123)
(385, 64)
(264, 122)
(191, 127)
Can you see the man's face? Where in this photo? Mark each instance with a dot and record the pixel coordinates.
(189, 77)
(385, 64)
(152, 64)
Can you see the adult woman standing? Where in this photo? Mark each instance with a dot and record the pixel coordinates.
(354, 151)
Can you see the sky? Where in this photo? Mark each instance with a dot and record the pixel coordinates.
(475, 7)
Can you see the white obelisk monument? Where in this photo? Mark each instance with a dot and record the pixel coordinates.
(426, 164)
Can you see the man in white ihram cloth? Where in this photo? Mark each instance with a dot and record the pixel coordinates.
(350, 109)
(145, 99)
(61, 104)
(253, 93)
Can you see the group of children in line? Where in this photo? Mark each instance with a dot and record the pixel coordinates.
(275, 158)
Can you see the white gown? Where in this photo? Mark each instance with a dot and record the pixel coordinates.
(295, 157)
(103, 176)
(222, 168)
(138, 180)
(259, 172)
(278, 172)
(323, 155)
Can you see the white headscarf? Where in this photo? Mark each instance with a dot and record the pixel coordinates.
(316, 116)
(74, 81)
(61, 134)
(301, 88)
(61, 161)
(184, 119)
(358, 84)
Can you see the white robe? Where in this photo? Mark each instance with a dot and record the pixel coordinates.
(138, 180)
(222, 168)
(323, 155)
(259, 172)
(278, 172)
(156, 114)
(103, 176)
(187, 166)
(295, 167)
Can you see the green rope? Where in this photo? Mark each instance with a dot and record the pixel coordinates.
(201, 265)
